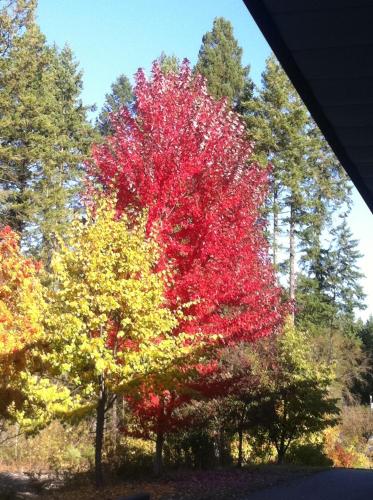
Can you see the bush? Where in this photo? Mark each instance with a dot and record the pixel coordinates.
(308, 454)
(132, 457)
(261, 450)
(347, 449)
(195, 448)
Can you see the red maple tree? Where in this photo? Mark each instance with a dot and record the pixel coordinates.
(154, 413)
(185, 158)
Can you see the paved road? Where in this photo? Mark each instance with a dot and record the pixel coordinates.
(335, 484)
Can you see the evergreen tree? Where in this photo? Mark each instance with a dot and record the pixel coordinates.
(168, 64)
(329, 287)
(329, 292)
(344, 275)
(307, 182)
(282, 136)
(220, 62)
(15, 15)
(45, 137)
(364, 388)
(120, 95)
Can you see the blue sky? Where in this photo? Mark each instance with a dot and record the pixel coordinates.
(110, 37)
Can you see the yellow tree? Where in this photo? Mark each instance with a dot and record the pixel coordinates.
(25, 396)
(21, 306)
(107, 318)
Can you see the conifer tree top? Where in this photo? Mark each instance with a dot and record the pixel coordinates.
(220, 61)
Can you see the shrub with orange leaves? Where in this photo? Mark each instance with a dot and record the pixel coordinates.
(21, 308)
(342, 453)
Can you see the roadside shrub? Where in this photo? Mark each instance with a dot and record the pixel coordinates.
(132, 457)
(308, 454)
(261, 450)
(195, 449)
(348, 446)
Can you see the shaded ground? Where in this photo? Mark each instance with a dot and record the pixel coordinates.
(221, 484)
(335, 484)
(287, 482)
(14, 485)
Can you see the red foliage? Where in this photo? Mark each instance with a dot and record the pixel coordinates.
(154, 411)
(185, 158)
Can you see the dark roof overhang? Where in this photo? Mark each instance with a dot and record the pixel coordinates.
(326, 48)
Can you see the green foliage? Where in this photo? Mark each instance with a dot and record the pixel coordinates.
(45, 135)
(120, 95)
(168, 64)
(333, 348)
(363, 388)
(195, 448)
(307, 182)
(295, 402)
(278, 124)
(219, 61)
(15, 16)
(331, 291)
(308, 454)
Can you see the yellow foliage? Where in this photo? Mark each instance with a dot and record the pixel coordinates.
(21, 330)
(297, 357)
(106, 313)
(21, 301)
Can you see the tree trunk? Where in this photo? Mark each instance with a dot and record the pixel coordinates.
(16, 443)
(224, 449)
(292, 275)
(275, 225)
(240, 445)
(280, 457)
(100, 427)
(281, 450)
(114, 423)
(158, 458)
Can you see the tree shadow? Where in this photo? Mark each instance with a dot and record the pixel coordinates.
(15, 485)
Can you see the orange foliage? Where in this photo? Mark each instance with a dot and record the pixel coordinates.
(339, 452)
(20, 296)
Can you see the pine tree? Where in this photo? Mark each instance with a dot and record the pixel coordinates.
(220, 62)
(330, 290)
(45, 137)
(307, 182)
(120, 95)
(281, 134)
(168, 64)
(345, 276)
(364, 388)
(15, 15)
